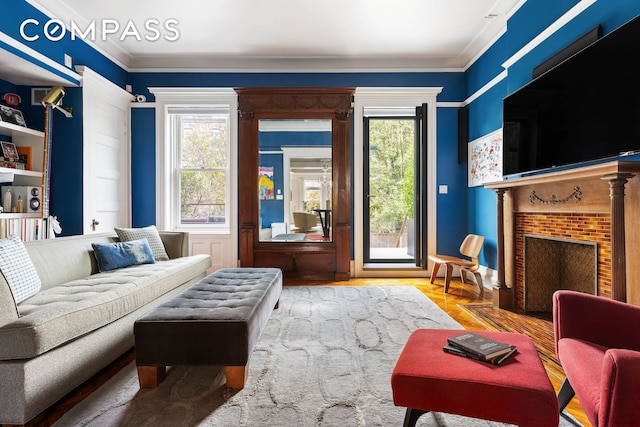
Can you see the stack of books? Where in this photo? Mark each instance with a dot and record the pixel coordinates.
(479, 347)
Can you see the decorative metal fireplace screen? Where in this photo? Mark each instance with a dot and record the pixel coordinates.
(551, 264)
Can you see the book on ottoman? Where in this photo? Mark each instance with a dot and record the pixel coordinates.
(479, 347)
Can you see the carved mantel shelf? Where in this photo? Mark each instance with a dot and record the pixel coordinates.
(608, 188)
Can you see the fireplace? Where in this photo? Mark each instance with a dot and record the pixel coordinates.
(554, 263)
(598, 204)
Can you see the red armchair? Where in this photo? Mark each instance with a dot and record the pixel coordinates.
(598, 345)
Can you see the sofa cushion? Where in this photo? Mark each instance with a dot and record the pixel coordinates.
(62, 313)
(17, 269)
(150, 233)
(68, 258)
(111, 256)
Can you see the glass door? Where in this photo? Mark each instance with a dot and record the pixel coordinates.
(394, 186)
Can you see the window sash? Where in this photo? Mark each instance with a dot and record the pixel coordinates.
(176, 133)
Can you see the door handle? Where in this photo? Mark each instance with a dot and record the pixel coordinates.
(94, 224)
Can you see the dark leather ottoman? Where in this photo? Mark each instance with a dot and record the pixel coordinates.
(217, 321)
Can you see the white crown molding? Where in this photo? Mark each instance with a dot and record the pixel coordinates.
(26, 70)
(549, 31)
(60, 10)
(251, 64)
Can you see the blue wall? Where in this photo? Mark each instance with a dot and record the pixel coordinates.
(143, 151)
(461, 211)
(18, 11)
(451, 220)
(486, 110)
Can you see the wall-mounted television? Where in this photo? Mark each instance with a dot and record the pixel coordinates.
(585, 108)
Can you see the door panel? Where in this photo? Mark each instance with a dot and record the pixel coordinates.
(106, 154)
(394, 179)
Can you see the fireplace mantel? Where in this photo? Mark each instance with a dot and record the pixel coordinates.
(610, 189)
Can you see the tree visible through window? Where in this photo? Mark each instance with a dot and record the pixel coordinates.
(202, 164)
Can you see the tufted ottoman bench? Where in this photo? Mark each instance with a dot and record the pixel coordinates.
(519, 392)
(217, 321)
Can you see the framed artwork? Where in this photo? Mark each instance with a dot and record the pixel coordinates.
(485, 159)
(11, 115)
(265, 183)
(9, 150)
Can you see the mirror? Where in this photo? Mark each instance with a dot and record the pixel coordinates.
(294, 180)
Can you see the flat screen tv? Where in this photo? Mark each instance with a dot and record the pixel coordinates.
(585, 108)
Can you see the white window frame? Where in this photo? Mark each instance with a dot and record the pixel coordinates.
(167, 181)
(392, 98)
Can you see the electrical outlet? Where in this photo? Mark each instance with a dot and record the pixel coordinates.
(68, 61)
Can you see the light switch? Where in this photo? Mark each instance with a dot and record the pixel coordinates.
(443, 189)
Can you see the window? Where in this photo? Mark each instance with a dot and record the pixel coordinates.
(196, 158)
(311, 195)
(200, 136)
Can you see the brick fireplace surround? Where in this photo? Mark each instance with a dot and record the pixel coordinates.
(598, 204)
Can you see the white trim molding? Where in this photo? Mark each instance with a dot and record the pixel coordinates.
(393, 97)
(202, 241)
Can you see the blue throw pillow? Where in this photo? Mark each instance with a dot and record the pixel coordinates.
(122, 254)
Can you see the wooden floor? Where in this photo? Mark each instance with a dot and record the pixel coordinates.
(452, 303)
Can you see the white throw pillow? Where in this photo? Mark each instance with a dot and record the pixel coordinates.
(18, 269)
(151, 234)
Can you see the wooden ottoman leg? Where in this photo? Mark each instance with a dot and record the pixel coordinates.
(236, 376)
(411, 417)
(150, 376)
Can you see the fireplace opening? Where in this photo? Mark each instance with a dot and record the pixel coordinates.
(553, 263)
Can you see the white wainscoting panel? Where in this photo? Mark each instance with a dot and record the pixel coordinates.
(223, 250)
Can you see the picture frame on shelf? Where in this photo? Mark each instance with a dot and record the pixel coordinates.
(12, 115)
(9, 150)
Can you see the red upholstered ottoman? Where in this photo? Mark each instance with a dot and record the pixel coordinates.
(519, 392)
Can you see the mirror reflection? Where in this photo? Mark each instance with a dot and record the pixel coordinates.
(295, 187)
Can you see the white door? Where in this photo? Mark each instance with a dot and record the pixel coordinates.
(106, 195)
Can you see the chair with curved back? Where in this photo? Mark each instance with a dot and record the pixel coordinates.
(470, 247)
(305, 221)
(599, 350)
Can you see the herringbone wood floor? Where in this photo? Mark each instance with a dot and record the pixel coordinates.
(463, 294)
(453, 303)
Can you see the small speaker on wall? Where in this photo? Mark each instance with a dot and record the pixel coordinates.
(463, 134)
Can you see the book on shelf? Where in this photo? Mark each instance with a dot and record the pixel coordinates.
(483, 347)
(26, 228)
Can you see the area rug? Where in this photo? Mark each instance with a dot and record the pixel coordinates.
(324, 359)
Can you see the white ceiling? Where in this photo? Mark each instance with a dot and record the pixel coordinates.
(295, 35)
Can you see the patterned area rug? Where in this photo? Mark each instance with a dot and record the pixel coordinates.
(324, 359)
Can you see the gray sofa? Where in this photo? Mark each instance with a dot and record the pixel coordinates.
(81, 320)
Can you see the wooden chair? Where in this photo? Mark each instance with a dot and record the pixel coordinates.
(470, 247)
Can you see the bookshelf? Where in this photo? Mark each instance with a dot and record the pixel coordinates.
(28, 225)
(25, 137)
